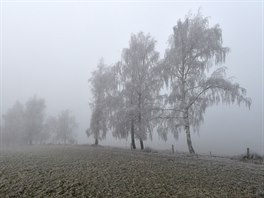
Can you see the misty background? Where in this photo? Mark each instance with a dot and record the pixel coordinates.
(51, 48)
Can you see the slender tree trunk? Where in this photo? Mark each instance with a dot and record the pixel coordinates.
(140, 124)
(141, 144)
(133, 144)
(189, 141)
(188, 133)
(96, 142)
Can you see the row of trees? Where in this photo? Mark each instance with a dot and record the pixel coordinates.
(142, 92)
(26, 124)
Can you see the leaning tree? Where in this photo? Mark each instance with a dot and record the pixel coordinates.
(195, 48)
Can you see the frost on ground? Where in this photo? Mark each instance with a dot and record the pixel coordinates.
(85, 171)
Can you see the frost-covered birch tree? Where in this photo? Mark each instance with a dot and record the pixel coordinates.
(66, 126)
(34, 119)
(193, 72)
(50, 129)
(14, 125)
(138, 87)
(102, 81)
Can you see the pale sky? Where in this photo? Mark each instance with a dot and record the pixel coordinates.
(50, 48)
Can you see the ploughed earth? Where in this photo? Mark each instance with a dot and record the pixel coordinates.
(87, 171)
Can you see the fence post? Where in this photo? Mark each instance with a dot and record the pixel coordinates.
(248, 153)
(172, 148)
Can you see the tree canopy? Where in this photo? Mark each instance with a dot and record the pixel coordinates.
(169, 94)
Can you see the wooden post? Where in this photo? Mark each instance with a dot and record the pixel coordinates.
(172, 148)
(248, 153)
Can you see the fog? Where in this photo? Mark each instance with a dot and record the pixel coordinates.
(51, 48)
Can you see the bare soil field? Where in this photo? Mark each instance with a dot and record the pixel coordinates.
(86, 171)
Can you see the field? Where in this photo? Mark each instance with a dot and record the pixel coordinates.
(86, 171)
